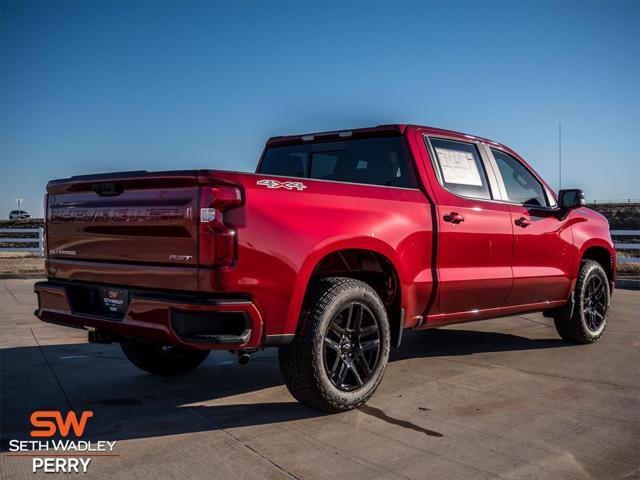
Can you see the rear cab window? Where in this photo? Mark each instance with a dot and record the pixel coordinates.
(460, 168)
(381, 161)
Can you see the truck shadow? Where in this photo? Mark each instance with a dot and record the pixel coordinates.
(128, 403)
(443, 343)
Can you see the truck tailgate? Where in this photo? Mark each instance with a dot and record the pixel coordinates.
(137, 218)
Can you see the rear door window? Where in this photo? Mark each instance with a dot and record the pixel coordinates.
(375, 161)
(460, 168)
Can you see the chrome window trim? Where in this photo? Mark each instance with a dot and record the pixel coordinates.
(496, 177)
(553, 203)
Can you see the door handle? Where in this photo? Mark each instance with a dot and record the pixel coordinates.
(523, 222)
(453, 217)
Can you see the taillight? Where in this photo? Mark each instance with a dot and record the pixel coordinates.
(217, 240)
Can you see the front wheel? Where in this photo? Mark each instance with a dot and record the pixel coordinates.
(341, 349)
(591, 309)
(162, 359)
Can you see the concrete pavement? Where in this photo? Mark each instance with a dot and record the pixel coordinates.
(496, 399)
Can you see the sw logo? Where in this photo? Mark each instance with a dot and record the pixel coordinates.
(48, 422)
(287, 185)
(49, 455)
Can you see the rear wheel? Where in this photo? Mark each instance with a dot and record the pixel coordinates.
(591, 309)
(341, 349)
(162, 359)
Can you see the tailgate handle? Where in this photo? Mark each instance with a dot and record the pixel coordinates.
(107, 189)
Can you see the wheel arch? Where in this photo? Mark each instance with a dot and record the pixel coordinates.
(604, 257)
(367, 259)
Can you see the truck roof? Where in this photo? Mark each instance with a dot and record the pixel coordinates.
(379, 130)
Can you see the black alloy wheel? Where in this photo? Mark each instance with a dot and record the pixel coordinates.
(339, 354)
(594, 303)
(586, 321)
(352, 347)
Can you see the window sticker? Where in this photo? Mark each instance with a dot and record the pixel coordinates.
(459, 167)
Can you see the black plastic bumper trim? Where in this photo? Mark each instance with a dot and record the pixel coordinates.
(277, 340)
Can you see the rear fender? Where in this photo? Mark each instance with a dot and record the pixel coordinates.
(326, 248)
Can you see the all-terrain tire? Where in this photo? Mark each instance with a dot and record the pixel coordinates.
(302, 362)
(162, 360)
(575, 328)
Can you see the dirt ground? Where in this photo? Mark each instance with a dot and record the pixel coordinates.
(21, 263)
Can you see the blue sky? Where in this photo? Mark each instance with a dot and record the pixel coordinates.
(95, 87)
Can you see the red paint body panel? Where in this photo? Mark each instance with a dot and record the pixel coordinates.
(144, 234)
(474, 257)
(542, 257)
(289, 233)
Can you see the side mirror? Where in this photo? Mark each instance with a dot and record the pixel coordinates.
(571, 198)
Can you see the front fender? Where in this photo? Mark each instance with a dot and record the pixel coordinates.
(602, 243)
(588, 235)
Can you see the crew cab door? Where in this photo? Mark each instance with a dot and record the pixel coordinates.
(475, 234)
(542, 256)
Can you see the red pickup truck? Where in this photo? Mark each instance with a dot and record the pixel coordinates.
(338, 242)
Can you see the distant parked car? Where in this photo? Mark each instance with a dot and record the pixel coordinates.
(18, 215)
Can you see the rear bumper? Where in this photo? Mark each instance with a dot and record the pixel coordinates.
(161, 318)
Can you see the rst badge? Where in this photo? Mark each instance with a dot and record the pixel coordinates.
(180, 258)
(286, 185)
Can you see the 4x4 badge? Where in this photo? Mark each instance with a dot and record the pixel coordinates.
(276, 184)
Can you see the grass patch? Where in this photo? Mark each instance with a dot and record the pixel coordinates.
(20, 263)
